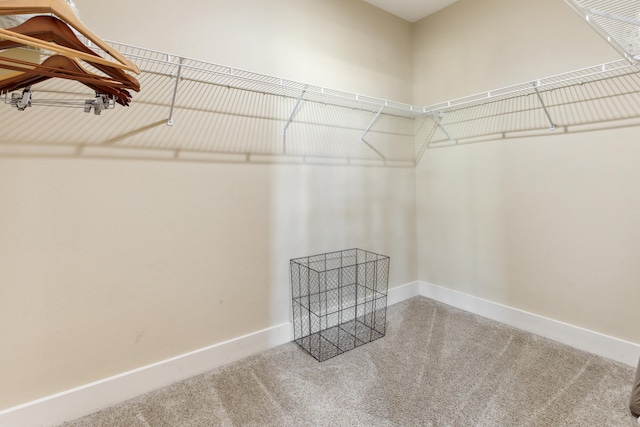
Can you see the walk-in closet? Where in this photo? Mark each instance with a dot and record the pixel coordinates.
(164, 166)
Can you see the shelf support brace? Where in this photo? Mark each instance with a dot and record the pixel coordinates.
(175, 92)
(552, 126)
(295, 110)
(437, 119)
(427, 141)
(375, 119)
(367, 131)
(612, 16)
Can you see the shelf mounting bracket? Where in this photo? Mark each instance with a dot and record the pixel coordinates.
(175, 92)
(366, 131)
(295, 110)
(441, 126)
(375, 119)
(552, 126)
(427, 140)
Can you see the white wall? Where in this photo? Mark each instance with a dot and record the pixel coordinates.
(110, 264)
(341, 44)
(474, 46)
(543, 224)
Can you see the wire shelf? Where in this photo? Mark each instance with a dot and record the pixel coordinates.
(508, 110)
(168, 65)
(225, 110)
(618, 21)
(599, 103)
(581, 76)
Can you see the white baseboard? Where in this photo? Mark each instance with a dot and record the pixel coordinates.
(580, 338)
(68, 405)
(71, 404)
(84, 400)
(402, 293)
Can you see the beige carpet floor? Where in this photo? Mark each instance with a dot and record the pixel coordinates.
(437, 366)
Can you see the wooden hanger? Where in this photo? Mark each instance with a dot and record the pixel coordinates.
(21, 81)
(34, 42)
(62, 10)
(61, 67)
(51, 29)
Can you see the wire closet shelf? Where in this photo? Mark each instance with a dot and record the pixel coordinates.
(170, 65)
(188, 69)
(180, 83)
(618, 21)
(595, 95)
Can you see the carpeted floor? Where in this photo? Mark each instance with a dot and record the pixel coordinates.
(437, 366)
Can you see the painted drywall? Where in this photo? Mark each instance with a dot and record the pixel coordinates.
(476, 46)
(342, 44)
(109, 264)
(546, 225)
(543, 224)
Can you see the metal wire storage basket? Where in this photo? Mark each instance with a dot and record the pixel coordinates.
(339, 301)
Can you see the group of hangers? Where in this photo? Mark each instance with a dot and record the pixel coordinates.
(52, 30)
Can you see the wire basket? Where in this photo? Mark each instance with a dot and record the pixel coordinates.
(339, 301)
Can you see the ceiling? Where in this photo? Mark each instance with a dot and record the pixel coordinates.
(411, 10)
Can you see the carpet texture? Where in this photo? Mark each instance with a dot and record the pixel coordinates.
(437, 366)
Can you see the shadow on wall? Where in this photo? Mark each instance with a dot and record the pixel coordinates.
(186, 253)
(209, 122)
(534, 222)
(318, 209)
(220, 123)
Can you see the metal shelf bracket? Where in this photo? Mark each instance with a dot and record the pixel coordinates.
(366, 131)
(375, 119)
(552, 125)
(295, 110)
(436, 117)
(175, 91)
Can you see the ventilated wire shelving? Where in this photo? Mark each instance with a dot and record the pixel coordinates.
(600, 95)
(592, 98)
(187, 105)
(618, 21)
(191, 109)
